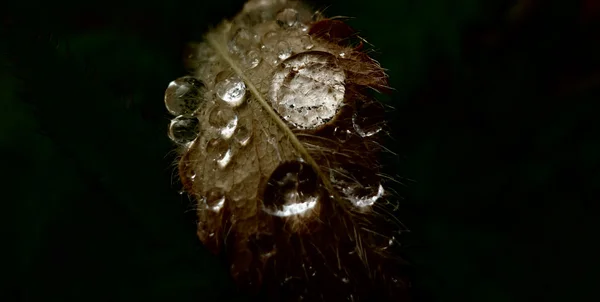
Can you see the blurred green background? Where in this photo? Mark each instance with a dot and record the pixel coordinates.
(495, 127)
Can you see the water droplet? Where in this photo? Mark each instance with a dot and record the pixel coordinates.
(343, 135)
(307, 89)
(345, 280)
(358, 184)
(225, 119)
(242, 135)
(251, 59)
(306, 42)
(264, 244)
(342, 54)
(367, 120)
(218, 150)
(283, 50)
(292, 189)
(360, 200)
(270, 39)
(287, 17)
(214, 199)
(224, 161)
(231, 89)
(242, 40)
(184, 95)
(184, 129)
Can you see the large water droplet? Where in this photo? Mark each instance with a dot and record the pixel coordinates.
(231, 89)
(292, 189)
(367, 120)
(184, 129)
(225, 119)
(214, 199)
(184, 95)
(308, 89)
(287, 17)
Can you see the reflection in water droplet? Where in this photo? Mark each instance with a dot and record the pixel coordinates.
(184, 129)
(307, 89)
(242, 135)
(214, 199)
(184, 95)
(287, 17)
(291, 190)
(231, 90)
(367, 120)
(225, 119)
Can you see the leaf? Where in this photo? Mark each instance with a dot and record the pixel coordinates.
(279, 140)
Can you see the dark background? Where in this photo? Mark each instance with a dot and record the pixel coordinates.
(495, 127)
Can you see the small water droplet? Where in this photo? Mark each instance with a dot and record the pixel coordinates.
(251, 59)
(242, 135)
(214, 199)
(184, 95)
(242, 40)
(218, 150)
(283, 50)
(342, 54)
(225, 119)
(270, 39)
(343, 135)
(184, 129)
(345, 280)
(306, 42)
(287, 17)
(291, 190)
(367, 120)
(231, 89)
(359, 185)
(224, 161)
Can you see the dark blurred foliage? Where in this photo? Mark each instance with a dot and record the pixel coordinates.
(494, 123)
